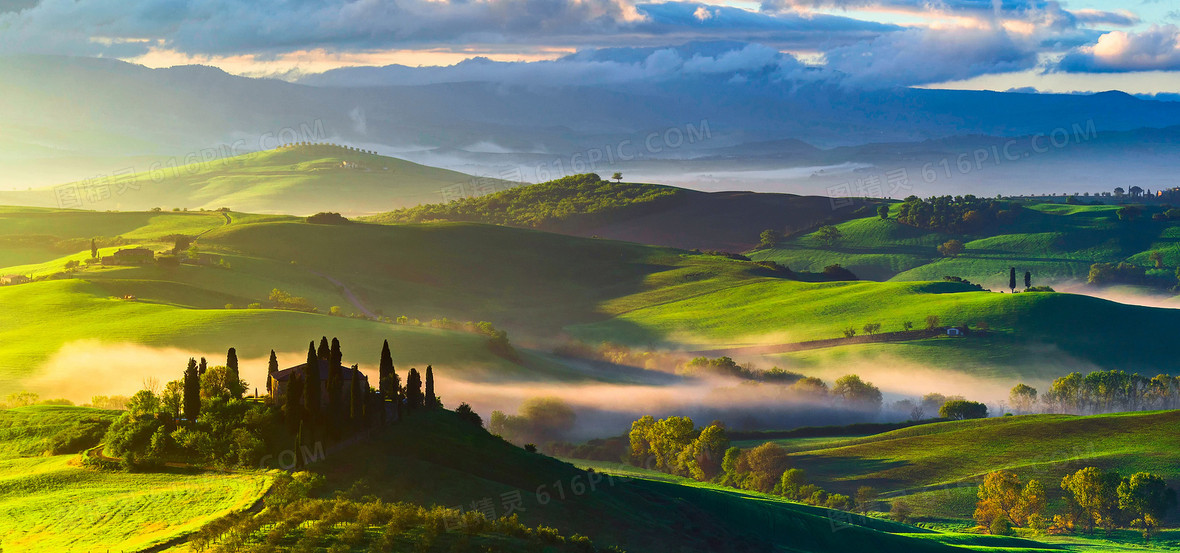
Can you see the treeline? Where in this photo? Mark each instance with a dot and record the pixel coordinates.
(578, 199)
(1094, 498)
(675, 445)
(1099, 392)
(956, 214)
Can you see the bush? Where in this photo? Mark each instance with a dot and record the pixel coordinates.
(1001, 526)
(899, 511)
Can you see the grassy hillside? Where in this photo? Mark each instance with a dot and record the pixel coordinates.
(466, 465)
(938, 466)
(585, 205)
(1056, 242)
(542, 287)
(52, 504)
(295, 179)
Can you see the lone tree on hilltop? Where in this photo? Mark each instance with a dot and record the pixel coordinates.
(828, 235)
(768, 238)
(617, 177)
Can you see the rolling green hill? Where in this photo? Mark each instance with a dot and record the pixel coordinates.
(585, 205)
(938, 466)
(293, 180)
(1056, 242)
(543, 288)
(50, 503)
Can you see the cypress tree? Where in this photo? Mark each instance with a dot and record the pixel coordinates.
(356, 397)
(272, 367)
(311, 385)
(384, 369)
(430, 399)
(335, 386)
(192, 391)
(231, 374)
(201, 369)
(1028, 279)
(93, 249)
(1012, 278)
(324, 352)
(414, 398)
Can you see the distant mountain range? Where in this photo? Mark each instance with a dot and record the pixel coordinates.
(74, 118)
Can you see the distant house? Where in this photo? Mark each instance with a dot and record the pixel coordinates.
(283, 377)
(952, 331)
(130, 256)
(14, 279)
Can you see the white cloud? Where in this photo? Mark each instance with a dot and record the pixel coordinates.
(1155, 49)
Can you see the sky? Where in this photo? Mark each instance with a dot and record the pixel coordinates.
(1043, 45)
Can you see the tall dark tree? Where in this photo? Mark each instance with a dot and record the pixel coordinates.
(93, 249)
(1012, 279)
(325, 352)
(414, 397)
(272, 368)
(294, 409)
(202, 367)
(1028, 279)
(192, 391)
(384, 370)
(356, 397)
(335, 386)
(431, 401)
(311, 385)
(232, 376)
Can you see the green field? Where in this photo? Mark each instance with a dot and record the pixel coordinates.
(53, 504)
(293, 180)
(938, 466)
(1056, 242)
(543, 288)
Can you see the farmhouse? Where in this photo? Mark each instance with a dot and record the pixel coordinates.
(281, 378)
(14, 279)
(130, 256)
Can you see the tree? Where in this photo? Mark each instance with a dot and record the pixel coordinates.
(1022, 398)
(272, 368)
(414, 397)
(335, 386)
(872, 328)
(883, 211)
(866, 498)
(1027, 280)
(856, 392)
(899, 511)
(999, 496)
(768, 238)
(1031, 506)
(430, 400)
(960, 409)
(389, 382)
(192, 391)
(849, 332)
(1135, 191)
(1129, 213)
(232, 376)
(202, 366)
(932, 322)
(1095, 493)
(1012, 279)
(1157, 258)
(951, 248)
(828, 235)
(1146, 497)
(617, 177)
(172, 398)
(324, 352)
(1118, 191)
(311, 386)
(93, 249)
(907, 325)
(356, 397)
(465, 412)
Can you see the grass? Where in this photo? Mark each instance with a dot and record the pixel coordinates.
(1056, 242)
(53, 504)
(938, 466)
(289, 180)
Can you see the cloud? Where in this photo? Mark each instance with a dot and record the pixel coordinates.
(1155, 49)
(129, 28)
(923, 56)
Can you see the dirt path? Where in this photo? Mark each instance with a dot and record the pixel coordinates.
(355, 301)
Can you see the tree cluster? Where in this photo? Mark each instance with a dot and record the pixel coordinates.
(675, 445)
(955, 214)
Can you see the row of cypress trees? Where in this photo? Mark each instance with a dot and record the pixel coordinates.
(192, 382)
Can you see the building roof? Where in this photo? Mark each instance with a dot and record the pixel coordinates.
(345, 375)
